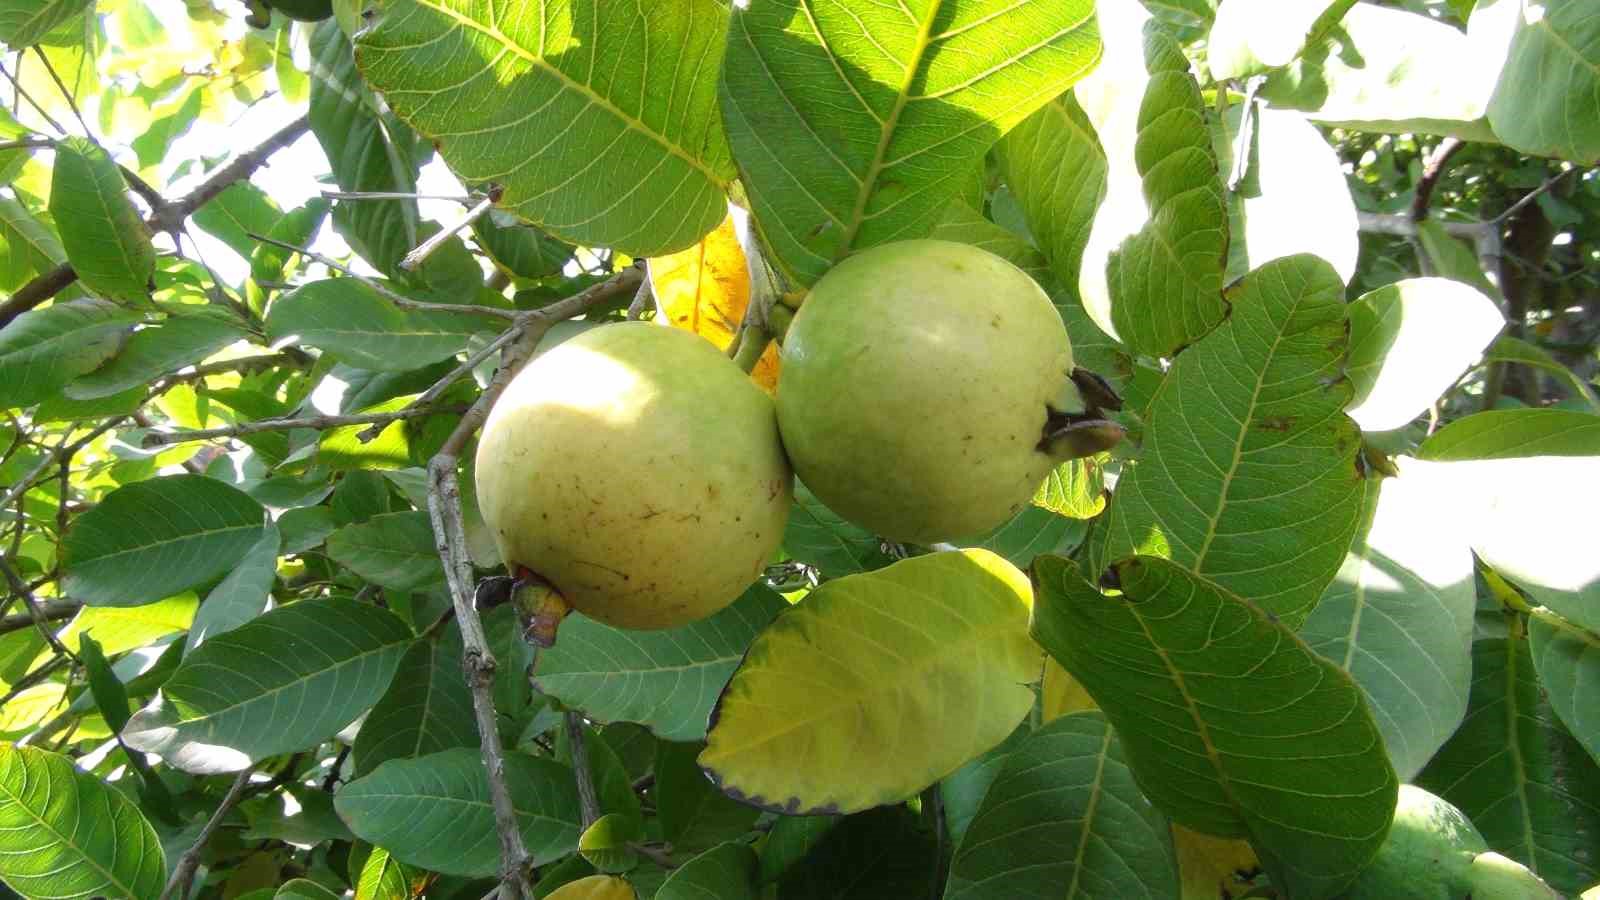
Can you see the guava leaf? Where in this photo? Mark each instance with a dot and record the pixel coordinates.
(694, 815)
(367, 151)
(24, 23)
(157, 350)
(353, 322)
(1409, 342)
(599, 123)
(1250, 36)
(1385, 69)
(1547, 102)
(394, 550)
(1520, 485)
(855, 123)
(273, 685)
(963, 790)
(790, 840)
(151, 539)
(522, 249)
(28, 247)
(1055, 167)
(426, 709)
(1398, 618)
(705, 290)
(1029, 533)
(434, 812)
(726, 872)
(1211, 867)
(106, 241)
(1065, 818)
(1231, 724)
(1248, 474)
(964, 224)
(385, 878)
(876, 854)
(65, 833)
(304, 889)
(666, 680)
(877, 685)
(233, 215)
(1075, 489)
(1568, 661)
(1165, 281)
(1519, 776)
(1509, 349)
(817, 535)
(1454, 258)
(46, 348)
(242, 594)
(1292, 169)
(120, 629)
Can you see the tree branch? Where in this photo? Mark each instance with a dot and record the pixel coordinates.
(156, 439)
(183, 872)
(1432, 170)
(588, 799)
(49, 610)
(165, 217)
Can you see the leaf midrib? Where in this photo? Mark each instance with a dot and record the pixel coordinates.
(62, 839)
(494, 33)
(1089, 809)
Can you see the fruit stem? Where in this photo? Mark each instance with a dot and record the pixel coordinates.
(752, 341)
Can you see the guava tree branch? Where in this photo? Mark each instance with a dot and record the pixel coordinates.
(49, 611)
(167, 216)
(444, 511)
(162, 438)
(183, 872)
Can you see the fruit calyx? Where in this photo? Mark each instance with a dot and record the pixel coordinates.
(1076, 424)
(540, 607)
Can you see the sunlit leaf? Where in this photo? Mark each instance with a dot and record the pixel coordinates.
(25, 22)
(1547, 102)
(1509, 349)
(64, 833)
(28, 247)
(854, 123)
(46, 348)
(395, 550)
(876, 685)
(157, 350)
(236, 213)
(1568, 661)
(706, 289)
(1231, 724)
(363, 328)
(1249, 36)
(104, 237)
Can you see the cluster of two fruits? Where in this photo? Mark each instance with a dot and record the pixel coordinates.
(927, 389)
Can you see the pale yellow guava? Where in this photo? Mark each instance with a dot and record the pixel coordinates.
(637, 470)
(916, 384)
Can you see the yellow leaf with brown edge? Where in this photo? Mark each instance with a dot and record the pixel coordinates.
(706, 289)
(1213, 868)
(1063, 694)
(595, 887)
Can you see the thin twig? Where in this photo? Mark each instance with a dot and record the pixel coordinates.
(35, 614)
(61, 86)
(394, 297)
(32, 142)
(427, 248)
(183, 872)
(641, 301)
(443, 384)
(395, 195)
(1532, 195)
(588, 799)
(658, 855)
(933, 809)
(64, 451)
(319, 423)
(16, 85)
(48, 610)
(1432, 171)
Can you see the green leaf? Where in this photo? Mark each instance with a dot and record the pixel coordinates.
(353, 322)
(599, 124)
(1520, 486)
(1250, 36)
(1568, 662)
(304, 889)
(1165, 281)
(877, 685)
(964, 224)
(273, 685)
(1248, 475)
(1075, 489)
(1231, 724)
(1031, 532)
(46, 348)
(1398, 618)
(1065, 818)
(963, 790)
(726, 873)
(157, 350)
(1454, 258)
(393, 550)
(1409, 342)
(367, 151)
(120, 629)
(1054, 165)
(817, 535)
(1509, 349)
(1547, 102)
(427, 708)
(385, 878)
(434, 812)
(240, 210)
(1392, 70)
(1291, 169)
(523, 250)
(1518, 775)
(242, 595)
(106, 241)
(854, 124)
(110, 697)
(694, 815)
(64, 833)
(24, 22)
(790, 841)
(152, 539)
(28, 247)
(666, 680)
(268, 262)
(871, 856)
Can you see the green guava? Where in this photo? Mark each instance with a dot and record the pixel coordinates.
(639, 472)
(1433, 852)
(927, 390)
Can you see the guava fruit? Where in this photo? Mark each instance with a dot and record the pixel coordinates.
(1433, 852)
(927, 388)
(636, 470)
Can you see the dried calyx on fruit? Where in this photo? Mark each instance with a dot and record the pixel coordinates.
(638, 472)
(927, 389)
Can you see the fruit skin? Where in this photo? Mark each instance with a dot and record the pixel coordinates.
(913, 389)
(1433, 852)
(636, 469)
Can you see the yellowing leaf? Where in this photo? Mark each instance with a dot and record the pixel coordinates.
(595, 887)
(706, 289)
(1063, 694)
(33, 707)
(877, 685)
(1212, 868)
